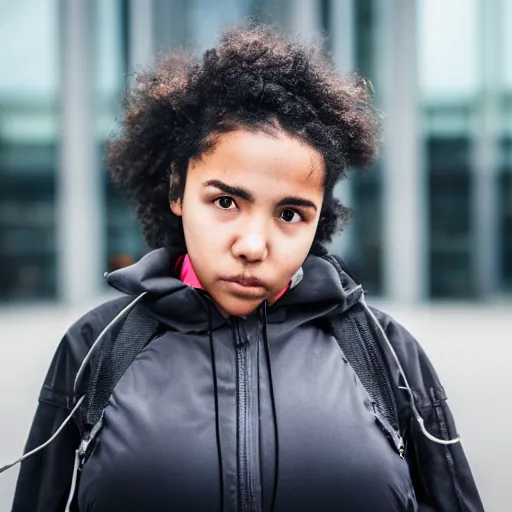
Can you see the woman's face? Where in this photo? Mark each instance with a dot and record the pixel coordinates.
(250, 211)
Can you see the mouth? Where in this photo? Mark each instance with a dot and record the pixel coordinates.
(245, 281)
(246, 287)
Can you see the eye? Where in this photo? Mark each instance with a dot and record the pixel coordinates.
(290, 216)
(225, 203)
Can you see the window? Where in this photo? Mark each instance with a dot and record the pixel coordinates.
(28, 154)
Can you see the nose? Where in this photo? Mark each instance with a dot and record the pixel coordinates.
(251, 247)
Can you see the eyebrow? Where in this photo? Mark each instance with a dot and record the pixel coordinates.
(247, 196)
(297, 201)
(233, 191)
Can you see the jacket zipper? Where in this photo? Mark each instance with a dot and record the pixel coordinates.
(245, 497)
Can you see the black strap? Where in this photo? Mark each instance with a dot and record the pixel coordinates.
(358, 339)
(116, 355)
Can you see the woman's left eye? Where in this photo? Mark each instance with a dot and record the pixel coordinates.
(225, 203)
(290, 216)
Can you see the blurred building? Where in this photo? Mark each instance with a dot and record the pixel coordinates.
(433, 218)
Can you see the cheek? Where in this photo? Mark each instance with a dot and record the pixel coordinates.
(292, 250)
(202, 230)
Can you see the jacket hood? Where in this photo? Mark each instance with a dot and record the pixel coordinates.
(187, 309)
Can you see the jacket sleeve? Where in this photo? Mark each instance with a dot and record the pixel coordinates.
(441, 474)
(45, 477)
(44, 480)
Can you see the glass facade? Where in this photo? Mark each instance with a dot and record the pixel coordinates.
(124, 243)
(367, 186)
(448, 82)
(505, 206)
(466, 106)
(505, 151)
(28, 149)
(454, 96)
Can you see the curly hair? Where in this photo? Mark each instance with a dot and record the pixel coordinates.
(256, 78)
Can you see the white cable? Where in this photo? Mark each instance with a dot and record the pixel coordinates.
(73, 482)
(416, 414)
(39, 448)
(100, 338)
(77, 379)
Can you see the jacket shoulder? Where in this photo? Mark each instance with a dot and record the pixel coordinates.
(57, 388)
(420, 372)
(441, 474)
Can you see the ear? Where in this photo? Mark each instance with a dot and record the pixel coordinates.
(176, 208)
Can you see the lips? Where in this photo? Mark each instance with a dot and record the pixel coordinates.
(247, 281)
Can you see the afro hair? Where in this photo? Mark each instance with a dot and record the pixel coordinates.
(256, 78)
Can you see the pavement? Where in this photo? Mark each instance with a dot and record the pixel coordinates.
(470, 345)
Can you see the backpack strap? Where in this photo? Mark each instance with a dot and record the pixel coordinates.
(116, 354)
(359, 343)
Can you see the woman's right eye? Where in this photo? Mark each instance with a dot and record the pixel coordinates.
(225, 203)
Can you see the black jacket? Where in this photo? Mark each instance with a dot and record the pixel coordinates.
(191, 428)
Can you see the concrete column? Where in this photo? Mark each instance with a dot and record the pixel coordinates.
(342, 36)
(404, 186)
(141, 40)
(484, 210)
(80, 213)
(171, 25)
(304, 18)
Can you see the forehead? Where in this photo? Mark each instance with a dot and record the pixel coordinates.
(258, 160)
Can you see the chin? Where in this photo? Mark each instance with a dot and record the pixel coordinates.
(237, 306)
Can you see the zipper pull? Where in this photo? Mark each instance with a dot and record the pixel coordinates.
(240, 339)
(401, 447)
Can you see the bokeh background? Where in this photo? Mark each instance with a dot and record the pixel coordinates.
(431, 236)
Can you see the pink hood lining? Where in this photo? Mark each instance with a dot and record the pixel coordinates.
(189, 277)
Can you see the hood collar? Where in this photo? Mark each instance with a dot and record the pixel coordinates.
(185, 308)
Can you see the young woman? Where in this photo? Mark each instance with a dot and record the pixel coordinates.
(242, 399)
